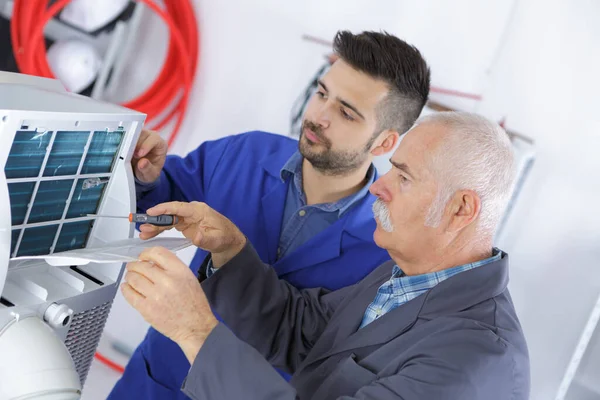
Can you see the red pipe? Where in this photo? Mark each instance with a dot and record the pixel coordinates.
(162, 95)
(109, 363)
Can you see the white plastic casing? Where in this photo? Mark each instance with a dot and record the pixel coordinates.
(35, 363)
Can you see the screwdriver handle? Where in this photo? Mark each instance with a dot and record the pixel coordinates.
(158, 220)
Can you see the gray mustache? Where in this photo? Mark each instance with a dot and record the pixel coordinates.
(382, 214)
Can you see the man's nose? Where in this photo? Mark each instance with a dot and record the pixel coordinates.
(324, 116)
(379, 190)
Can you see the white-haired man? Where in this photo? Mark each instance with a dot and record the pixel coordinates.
(435, 323)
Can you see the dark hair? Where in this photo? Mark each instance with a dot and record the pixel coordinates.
(386, 57)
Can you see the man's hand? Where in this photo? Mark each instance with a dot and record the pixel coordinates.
(149, 156)
(169, 297)
(205, 227)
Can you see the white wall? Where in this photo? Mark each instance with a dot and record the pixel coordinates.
(253, 62)
(534, 61)
(546, 82)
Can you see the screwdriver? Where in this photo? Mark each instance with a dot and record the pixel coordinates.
(158, 220)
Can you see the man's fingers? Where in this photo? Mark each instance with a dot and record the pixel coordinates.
(164, 258)
(147, 236)
(134, 298)
(150, 271)
(148, 141)
(148, 231)
(149, 228)
(145, 171)
(142, 164)
(139, 282)
(178, 208)
(140, 143)
(194, 210)
(149, 156)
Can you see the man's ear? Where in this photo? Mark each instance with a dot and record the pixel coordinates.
(386, 141)
(464, 210)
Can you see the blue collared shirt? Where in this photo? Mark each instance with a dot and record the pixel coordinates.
(300, 221)
(401, 288)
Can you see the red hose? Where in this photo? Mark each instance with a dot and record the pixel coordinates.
(27, 25)
(109, 363)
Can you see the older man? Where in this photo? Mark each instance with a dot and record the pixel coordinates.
(435, 323)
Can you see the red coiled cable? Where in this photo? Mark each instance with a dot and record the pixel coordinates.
(163, 96)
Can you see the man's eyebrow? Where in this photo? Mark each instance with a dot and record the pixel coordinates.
(323, 84)
(350, 106)
(403, 167)
(342, 102)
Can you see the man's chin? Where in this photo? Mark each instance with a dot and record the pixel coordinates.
(378, 236)
(311, 155)
(306, 146)
(381, 236)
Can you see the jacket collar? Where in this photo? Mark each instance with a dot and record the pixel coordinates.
(326, 245)
(455, 294)
(360, 223)
(468, 288)
(272, 163)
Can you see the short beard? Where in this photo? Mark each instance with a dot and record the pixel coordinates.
(331, 162)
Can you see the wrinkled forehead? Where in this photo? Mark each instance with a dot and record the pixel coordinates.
(418, 148)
